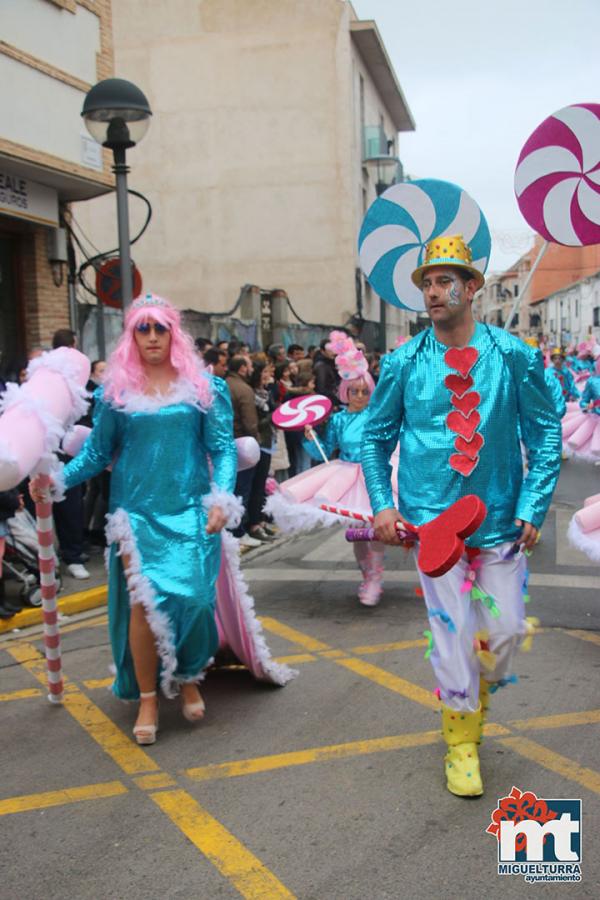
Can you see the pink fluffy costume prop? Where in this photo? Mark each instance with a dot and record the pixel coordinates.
(581, 424)
(584, 528)
(295, 505)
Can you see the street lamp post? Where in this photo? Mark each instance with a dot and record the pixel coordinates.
(117, 114)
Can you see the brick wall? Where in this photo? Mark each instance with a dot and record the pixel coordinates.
(45, 305)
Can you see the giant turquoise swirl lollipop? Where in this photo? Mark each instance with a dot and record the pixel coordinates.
(400, 223)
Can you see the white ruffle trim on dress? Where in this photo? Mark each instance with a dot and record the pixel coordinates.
(231, 505)
(290, 516)
(181, 391)
(582, 541)
(276, 672)
(119, 531)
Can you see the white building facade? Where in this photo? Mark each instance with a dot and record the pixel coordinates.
(572, 315)
(51, 53)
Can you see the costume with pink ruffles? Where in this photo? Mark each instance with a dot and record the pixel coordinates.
(341, 483)
(581, 424)
(584, 528)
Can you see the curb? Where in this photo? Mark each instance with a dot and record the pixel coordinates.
(67, 606)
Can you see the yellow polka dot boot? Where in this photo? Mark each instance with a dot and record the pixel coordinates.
(462, 731)
(484, 700)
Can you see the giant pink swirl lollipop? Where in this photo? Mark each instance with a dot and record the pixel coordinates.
(296, 414)
(304, 412)
(557, 179)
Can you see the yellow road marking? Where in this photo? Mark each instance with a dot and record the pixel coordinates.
(58, 798)
(253, 880)
(564, 720)
(127, 755)
(151, 782)
(291, 634)
(311, 755)
(391, 682)
(244, 870)
(332, 654)
(554, 762)
(241, 767)
(585, 636)
(296, 658)
(386, 648)
(95, 683)
(21, 695)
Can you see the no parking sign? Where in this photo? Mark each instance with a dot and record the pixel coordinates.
(108, 283)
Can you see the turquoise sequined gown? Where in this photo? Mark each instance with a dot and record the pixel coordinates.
(162, 454)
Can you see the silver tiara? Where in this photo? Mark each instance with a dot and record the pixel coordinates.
(149, 300)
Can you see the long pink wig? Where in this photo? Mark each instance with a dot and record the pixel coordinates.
(125, 372)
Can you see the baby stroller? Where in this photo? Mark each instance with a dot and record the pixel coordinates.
(21, 557)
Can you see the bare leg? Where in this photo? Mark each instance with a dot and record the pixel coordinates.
(145, 660)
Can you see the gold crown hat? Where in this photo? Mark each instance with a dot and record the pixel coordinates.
(449, 250)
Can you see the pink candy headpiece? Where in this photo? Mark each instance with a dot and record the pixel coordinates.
(350, 362)
(149, 300)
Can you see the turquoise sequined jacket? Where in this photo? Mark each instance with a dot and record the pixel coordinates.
(343, 432)
(411, 404)
(591, 394)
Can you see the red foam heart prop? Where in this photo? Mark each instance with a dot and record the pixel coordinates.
(462, 360)
(463, 425)
(457, 384)
(441, 541)
(463, 464)
(470, 448)
(467, 403)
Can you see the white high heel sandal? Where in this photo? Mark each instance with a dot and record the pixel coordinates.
(193, 712)
(146, 734)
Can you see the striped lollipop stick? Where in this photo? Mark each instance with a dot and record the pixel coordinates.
(363, 534)
(47, 563)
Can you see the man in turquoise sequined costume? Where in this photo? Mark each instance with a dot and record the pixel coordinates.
(458, 397)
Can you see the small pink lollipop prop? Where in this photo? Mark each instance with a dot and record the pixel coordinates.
(557, 182)
(304, 412)
(35, 416)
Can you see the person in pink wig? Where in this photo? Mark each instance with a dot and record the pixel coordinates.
(165, 425)
(341, 482)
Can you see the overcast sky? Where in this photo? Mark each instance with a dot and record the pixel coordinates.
(479, 76)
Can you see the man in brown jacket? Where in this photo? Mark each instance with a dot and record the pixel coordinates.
(245, 423)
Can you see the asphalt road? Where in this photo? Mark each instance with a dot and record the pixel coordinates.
(328, 789)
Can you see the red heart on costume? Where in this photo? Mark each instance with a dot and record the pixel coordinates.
(462, 360)
(470, 448)
(463, 425)
(463, 464)
(467, 403)
(441, 541)
(458, 385)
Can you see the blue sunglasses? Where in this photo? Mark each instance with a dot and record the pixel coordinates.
(146, 327)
